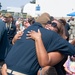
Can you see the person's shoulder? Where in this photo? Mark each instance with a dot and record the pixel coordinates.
(2, 23)
(0, 19)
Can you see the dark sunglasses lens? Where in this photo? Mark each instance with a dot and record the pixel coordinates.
(73, 55)
(54, 24)
(49, 22)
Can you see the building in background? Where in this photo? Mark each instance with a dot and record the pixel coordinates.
(29, 8)
(57, 8)
(14, 9)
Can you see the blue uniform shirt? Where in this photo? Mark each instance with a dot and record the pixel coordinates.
(3, 40)
(22, 57)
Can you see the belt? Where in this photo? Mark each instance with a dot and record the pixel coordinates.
(15, 72)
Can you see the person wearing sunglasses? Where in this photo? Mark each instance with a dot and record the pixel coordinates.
(60, 29)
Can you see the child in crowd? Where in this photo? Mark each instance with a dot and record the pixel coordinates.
(70, 65)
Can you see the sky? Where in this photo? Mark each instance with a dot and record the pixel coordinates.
(13, 3)
(54, 7)
(57, 7)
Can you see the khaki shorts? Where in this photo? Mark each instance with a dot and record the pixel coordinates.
(14, 72)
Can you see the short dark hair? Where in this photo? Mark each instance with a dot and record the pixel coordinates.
(51, 71)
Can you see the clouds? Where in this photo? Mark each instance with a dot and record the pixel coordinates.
(57, 7)
(13, 3)
(54, 7)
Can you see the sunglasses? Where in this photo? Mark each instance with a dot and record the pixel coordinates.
(53, 24)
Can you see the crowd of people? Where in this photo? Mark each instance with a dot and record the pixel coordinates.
(36, 46)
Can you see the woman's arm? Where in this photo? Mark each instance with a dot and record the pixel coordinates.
(17, 36)
(44, 58)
